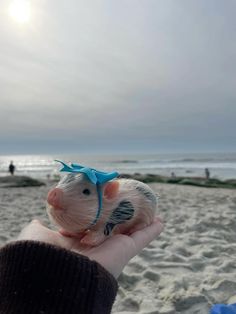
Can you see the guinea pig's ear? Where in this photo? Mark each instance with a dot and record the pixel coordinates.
(111, 190)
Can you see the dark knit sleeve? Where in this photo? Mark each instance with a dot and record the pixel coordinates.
(40, 278)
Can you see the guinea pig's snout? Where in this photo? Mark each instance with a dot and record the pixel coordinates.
(55, 197)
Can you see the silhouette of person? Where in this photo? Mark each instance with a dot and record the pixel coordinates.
(11, 168)
(207, 173)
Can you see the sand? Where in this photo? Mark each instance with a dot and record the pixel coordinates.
(191, 266)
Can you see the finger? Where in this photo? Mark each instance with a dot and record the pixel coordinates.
(128, 246)
(34, 226)
(143, 237)
(36, 221)
(35, 231)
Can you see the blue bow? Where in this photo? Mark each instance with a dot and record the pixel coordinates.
(95, 177)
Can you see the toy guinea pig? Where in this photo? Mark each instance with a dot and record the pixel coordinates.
(87, 202)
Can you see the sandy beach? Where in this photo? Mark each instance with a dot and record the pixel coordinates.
(191, 266)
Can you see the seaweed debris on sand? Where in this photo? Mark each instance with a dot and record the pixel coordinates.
(19, 181)
(194, 181)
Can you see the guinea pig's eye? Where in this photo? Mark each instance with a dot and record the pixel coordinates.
(86, 192)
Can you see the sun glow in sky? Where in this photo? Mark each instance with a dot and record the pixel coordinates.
(117, 75)
(19, 10)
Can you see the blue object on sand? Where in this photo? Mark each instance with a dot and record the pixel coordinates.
(223, 309)
(95, 177)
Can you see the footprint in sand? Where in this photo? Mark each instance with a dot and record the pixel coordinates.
(221, 291)
(151, 276)
(129, 305)
(191, 304)
(128, 282)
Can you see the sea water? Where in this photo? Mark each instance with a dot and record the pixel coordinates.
(221, 165)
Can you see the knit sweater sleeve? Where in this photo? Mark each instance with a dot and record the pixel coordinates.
(40, 278)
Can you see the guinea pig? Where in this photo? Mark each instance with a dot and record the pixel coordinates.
(126, 206)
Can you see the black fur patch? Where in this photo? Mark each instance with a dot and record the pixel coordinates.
(108, 228)
(120, 214)
(149, 195)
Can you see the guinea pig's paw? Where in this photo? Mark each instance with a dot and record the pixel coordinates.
(93, 238)
(66, 233)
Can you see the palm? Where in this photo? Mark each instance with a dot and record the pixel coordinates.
(113, 254)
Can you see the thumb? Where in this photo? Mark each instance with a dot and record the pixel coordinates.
(34, 231)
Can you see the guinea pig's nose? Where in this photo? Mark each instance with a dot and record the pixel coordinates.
(54, 198)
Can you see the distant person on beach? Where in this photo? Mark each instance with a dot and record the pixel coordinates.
(11, 168)
(45, 272)
(207, 173)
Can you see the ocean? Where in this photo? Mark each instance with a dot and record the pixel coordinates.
(221, 165)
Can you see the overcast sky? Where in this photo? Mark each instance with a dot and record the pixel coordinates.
(127, 75)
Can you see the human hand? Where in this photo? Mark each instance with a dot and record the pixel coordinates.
(113, 254)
